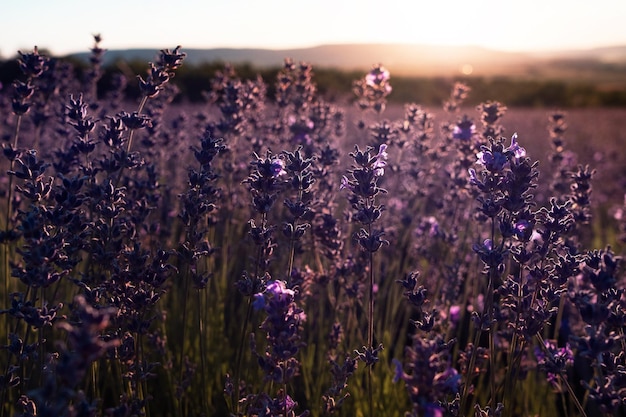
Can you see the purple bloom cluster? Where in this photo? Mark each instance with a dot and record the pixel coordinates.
(283, 324)
(373, 89)
(283, 327)
(554, 360)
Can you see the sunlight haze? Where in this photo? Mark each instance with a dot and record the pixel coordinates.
(66, 26)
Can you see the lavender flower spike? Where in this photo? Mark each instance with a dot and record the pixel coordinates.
(494, 158)
(517, 150)
(380, 161)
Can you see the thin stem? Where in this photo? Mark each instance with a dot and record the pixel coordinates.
(470, 368)
(242, 341)
(292, 241)
(6, 252)
(292, 251)
(16, 133)
(202, 349)
(488, 312)
(285, 399)
(508, 382)
(370, 329)
(492, 366)
(7, 219)
(370, 315)
(143, 102)
(240, 355)
(370, 391)
(184, 328)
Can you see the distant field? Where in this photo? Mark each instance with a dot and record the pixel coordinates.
(596, 135)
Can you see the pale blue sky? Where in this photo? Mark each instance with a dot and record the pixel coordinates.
(65, 26)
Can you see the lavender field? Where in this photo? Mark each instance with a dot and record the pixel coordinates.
(294, 256)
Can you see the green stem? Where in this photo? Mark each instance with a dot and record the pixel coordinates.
(370, 327)
(242, 341)
(202, 350)
(184, 328)
(244, 330)
(509, 380)
(492, 366)
(7, 219)
(487, 311)
(143, 102)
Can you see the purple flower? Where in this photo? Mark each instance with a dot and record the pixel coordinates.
(492, 160)
(398, 373)
(554, 360)
(433, 410)
(380, 161)
(455, 313)
(428, 226)
(378, 76)
(464, 129)
(277, 167)
(258, 302)
(277, 297)
(495, 158)
(517, 150)
(382, 152)
(285, 403)
(449, 379)
(523, 230)
(473, 178)
(279, 291)
(345, 183)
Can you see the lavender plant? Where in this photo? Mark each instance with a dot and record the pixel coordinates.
(148, 269)
(363, 188)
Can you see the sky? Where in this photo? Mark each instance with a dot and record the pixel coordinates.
(66, 26)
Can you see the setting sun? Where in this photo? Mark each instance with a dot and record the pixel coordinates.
(467, 69)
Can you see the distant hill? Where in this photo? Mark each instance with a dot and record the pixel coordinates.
(603, 64)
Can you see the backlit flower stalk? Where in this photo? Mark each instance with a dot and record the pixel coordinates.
(362, 184)
(241, 119)
(38, 262)
(32, 65)
(601, 345)
(557, 126)
(530, 290)
(499, 196)
(83, 124)
(300, 180)
(198, 203)
(295, 90)
(265, 182)
(427, 371)
(65, 371)
(491, 113)
(94, 73)
(458, 95)
(283, 327)
(158, 76)
(372, 90)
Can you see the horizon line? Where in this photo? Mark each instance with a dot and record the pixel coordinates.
(321, 45)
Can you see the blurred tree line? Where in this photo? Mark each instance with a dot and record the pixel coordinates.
(193, 80)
